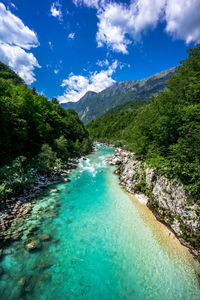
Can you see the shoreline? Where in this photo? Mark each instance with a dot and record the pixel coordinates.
(19, 208)
(142, 198)
(162, 233)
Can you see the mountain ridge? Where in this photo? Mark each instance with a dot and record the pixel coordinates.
(93, 105)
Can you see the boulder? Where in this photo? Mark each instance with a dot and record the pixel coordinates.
(32, 228)
(45, 237)
(33, 245)
(66, 180)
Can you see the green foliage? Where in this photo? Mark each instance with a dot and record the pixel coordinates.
(28, 120)
(165, 132)
(62, 148)
(14, 178)
(33, 126)
(8, 74)
(141, 186)
(46, 159)
(112, 127)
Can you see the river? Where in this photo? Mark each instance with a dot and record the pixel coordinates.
(102, 244)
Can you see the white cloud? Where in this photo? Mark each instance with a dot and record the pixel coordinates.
(71, 36)
(102, 63)
(56, 71)
(50, 45)
(89, 3)
(56, 10)
(14, 38)
(112, 27)
(183, 19)
(77, 86)
(13, 5)
(14, 32)
(120, 23)
(20, 61)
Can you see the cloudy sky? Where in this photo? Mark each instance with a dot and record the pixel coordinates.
(68, 47)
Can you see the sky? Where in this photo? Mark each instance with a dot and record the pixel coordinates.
(65, 48)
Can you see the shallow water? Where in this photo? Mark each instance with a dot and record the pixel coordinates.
(104, 245)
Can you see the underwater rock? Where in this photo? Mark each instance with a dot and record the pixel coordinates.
(33, 228)
(26, 284)
(45, 237)
(33, 245)
(51, 213)
(16, 236)
(1, 271)
(45, 265)
(7, 252)
(66, 171)
(66, 180)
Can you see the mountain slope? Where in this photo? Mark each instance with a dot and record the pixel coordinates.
(166, 131)
(93, 105)
(112, 127)
(8, 74)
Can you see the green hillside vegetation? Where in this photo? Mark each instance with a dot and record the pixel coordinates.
(34, 133)
(165, 132)
(112, 127)
(8, 74)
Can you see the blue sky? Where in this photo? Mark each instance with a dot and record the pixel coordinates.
(65, 48)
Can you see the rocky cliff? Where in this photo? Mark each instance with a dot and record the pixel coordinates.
(167, 199)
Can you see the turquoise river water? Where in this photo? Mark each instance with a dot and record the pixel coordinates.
(104, 245)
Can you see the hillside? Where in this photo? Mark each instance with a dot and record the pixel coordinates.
(112, 127)
(34, 133)
(8, 74)
(165, 132)
(93, 105)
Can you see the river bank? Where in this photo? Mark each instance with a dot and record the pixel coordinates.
(18, 209)
(167, 200)
(89, 240)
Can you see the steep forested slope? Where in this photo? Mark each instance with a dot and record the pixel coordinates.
(34, 132)
(112, 126)
(166, 132)
(93, 105)
(8, 74)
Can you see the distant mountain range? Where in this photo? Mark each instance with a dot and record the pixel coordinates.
(93, 105)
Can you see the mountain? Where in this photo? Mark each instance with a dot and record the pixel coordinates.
(93, 105)
(165, 132)
(114, 125)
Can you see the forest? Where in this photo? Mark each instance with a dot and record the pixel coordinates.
(164, 132)
(34, 133)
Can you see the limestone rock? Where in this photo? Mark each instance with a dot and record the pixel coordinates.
(167, 199)
(45, 237)
(33, 245)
